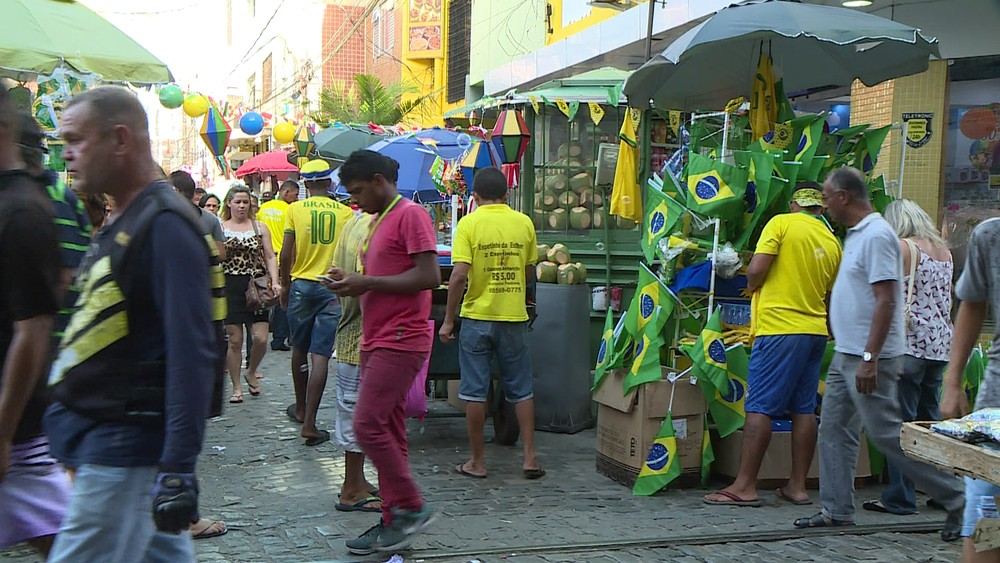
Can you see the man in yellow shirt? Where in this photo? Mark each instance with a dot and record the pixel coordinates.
(272, 213)
(494, 253)
(312, 227)
(791, 274)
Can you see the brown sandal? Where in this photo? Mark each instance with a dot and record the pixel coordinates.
(236, 398)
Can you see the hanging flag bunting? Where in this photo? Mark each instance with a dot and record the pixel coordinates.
(674, 117)
(596, 112)
(568, 109)
(534, 103)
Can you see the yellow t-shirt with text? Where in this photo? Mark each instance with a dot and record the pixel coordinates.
(272, 214)
(498, 243)
(316, 223)
(792, 299)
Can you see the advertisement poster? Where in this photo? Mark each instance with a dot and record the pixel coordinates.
(426, 28)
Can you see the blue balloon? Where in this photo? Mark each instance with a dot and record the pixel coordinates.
(252, 123)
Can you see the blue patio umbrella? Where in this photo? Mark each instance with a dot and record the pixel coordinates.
(415, 153)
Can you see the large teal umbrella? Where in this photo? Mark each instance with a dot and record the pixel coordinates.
(41, 35)
(338, 142)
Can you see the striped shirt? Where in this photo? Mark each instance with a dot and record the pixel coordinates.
(345, 257)
(74, 232)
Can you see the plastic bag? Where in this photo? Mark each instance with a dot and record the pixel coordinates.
(416, 397)
(727, 262)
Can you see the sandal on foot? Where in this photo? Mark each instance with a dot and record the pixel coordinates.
(254, 389)
(317, 440)
(534, 473)
(781, 494)
(290, 411)
(212, 529)
(875, 506)
(731, 500)
(360, 506)
(236, 398)
(819, 521)
(460, 469)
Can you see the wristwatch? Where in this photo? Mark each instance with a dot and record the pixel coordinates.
(866, 357)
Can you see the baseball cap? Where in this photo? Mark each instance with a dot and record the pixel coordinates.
(808, 197)
(31, 134)
(315, 170)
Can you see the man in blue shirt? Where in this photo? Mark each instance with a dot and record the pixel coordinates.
(133, 377)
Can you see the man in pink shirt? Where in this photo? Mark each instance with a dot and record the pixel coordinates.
(398, 268)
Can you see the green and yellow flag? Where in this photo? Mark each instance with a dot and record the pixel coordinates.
(605, 351)
(662, 213)
(708, 354)
(714, 188)
(646, 362)
(662, 464)
(811, 131)
(757, 197)
(707, 453)
(763, 106)
(650, 307)
(727, 407)
(867, 149)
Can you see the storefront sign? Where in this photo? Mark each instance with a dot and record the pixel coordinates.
(426, 27)
(918, 128)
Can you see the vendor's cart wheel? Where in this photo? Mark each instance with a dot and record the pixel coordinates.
(505, 427)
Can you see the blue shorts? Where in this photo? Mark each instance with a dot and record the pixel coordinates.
(479, 342)
(784, 374)
(313, 316)
(979, 504)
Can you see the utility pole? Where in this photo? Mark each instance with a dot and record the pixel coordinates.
(649, 30)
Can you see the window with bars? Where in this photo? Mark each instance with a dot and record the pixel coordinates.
(378, 35)
(459, 45)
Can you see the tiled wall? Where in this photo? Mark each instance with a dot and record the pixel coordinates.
(338, 23)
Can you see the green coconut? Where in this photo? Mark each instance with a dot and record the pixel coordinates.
(568, 200)
(547, 272)
(543, 251)
(581, 272)
(558, 219)
(591, 198)
(579, 218)
(580, 181)
(538, 219)
(558, 253)
(547, 201)
(625, 224)
(567, 274)
(597, 220)
(557, 183)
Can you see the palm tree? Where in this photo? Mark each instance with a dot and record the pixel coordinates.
(366, 100)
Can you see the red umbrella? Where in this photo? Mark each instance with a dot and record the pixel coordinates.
(274, 162)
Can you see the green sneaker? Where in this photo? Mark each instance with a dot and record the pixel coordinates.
(368, 542)
(405, 524)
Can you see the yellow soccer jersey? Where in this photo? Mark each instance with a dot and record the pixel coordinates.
(272, 214)
(316, 223)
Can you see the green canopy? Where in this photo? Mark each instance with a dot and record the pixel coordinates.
(42, 35)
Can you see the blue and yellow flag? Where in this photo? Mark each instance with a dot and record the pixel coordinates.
(714, 188)
(646, 362)
(708, 354)
(605, 351)
(650, 307)
(727, 407)
(662, 213)
(662, 464)
(707, 453)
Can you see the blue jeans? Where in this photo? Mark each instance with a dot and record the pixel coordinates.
(279, 326)
(313, 316)
(110, 519)
(918, 400)
(479, 342)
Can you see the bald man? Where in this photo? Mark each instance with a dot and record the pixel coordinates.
(133, 378)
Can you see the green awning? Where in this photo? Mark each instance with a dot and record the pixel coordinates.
(484, 102)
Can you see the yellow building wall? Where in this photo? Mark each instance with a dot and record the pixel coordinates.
(884, 104)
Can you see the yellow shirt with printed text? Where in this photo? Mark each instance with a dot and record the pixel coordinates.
(792, 299)
(498, 243)
(316, 223)
(272, 214)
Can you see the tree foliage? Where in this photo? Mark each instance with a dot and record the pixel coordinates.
(366, 100)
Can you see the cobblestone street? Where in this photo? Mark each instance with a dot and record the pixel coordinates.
(277, 497)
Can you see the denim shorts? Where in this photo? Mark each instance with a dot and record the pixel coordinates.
(784, 374)
(313, 316)
(479, 343)
(979, 504)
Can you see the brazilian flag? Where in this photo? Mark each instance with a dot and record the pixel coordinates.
(605, 352)
(662, 464)
(707, 453)
(809, 129)
(714, 188)
(645, 363)
(867, 149)
(649, 309)
(662, 213)
(727, 406)
(708, 354)
(757, 196)
(879, 197)
(972, 377)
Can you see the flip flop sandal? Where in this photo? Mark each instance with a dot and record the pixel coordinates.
(236, 398)
(460, 469)
(534, 473)
(733, 500)
(875, 506)
(317, 440)
(290, 411)
(204, 534)
(372, 492)
(360, 506)
(254, 389)
(817, 521)
(781, 494)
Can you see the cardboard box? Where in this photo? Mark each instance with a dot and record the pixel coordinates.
(628, 424)
(777, 462)
(453, 399)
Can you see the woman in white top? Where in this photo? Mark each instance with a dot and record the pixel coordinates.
(926, 303)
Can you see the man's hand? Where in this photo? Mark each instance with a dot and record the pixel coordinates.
(954, 403)
(867, 377)
(447, 332)
(175, 502)
(283, 296)
(351, 285)
(4, 458)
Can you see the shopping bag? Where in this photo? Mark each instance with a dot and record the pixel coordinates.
(416, 398)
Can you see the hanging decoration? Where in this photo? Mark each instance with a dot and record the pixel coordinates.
(596, 112)
(477, 158)
(534, 103)
(284, 132)
(252, 123)
(305, 146)
(195, 105)
(171, 96)
(510, 136)
(215, 133)
(568, 109)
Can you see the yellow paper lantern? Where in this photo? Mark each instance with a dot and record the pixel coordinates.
(195, 105)
(284, 132)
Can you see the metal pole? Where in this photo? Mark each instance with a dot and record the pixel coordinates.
(649, 30)
(902, 164)
(725, 140)
(711, 281)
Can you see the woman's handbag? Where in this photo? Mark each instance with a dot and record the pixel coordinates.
(260, 293)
